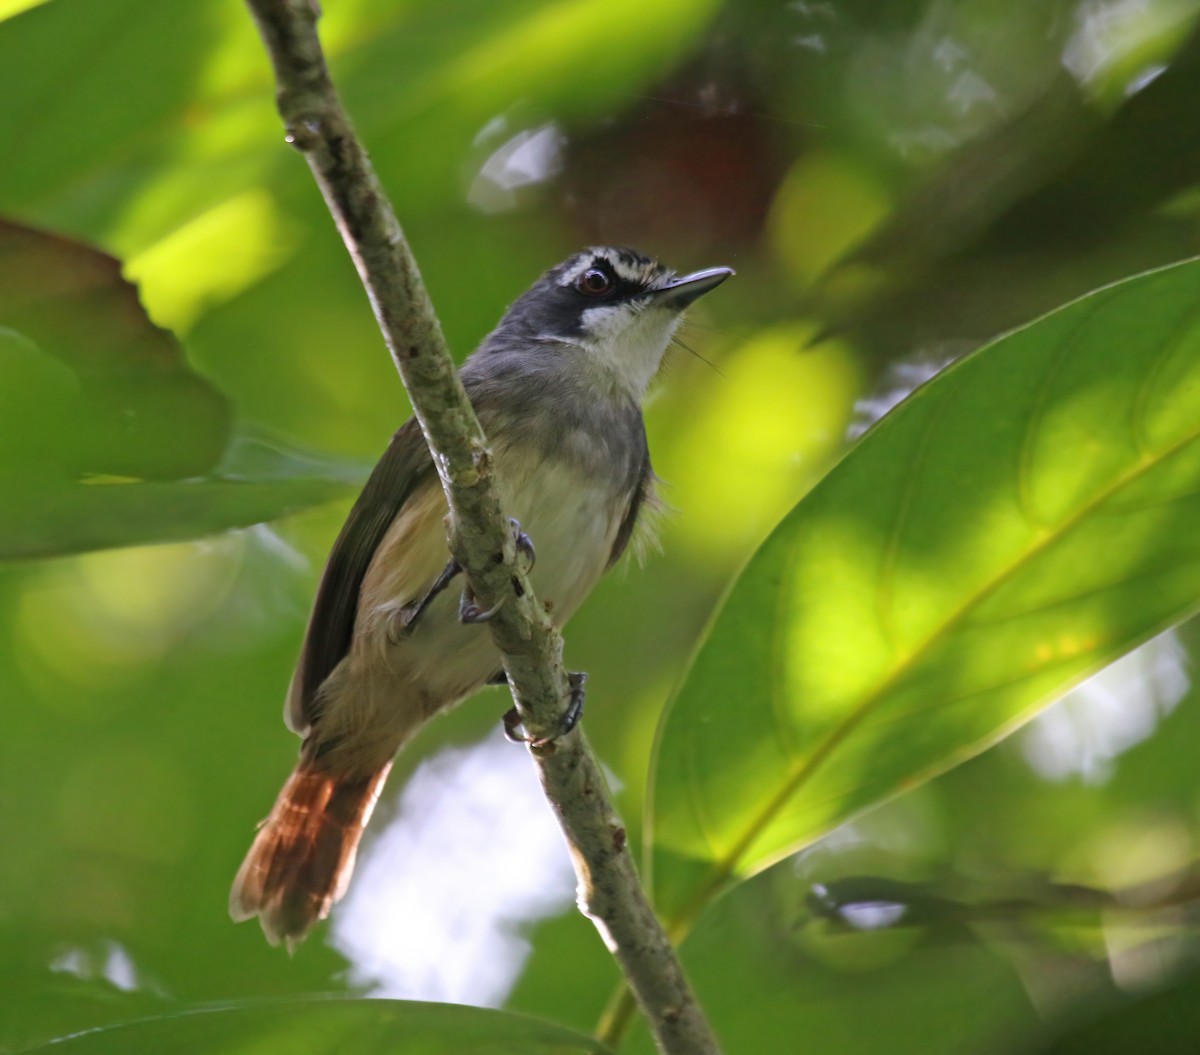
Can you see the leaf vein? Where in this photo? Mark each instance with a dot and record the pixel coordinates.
(1139, 413)
(725, 866)
(1041, 402)
(884, 604)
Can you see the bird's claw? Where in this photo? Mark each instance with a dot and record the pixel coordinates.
(512, 727)
(524, 544)
(514, 730)
(577, 680)
(470, 613)
(469, 610)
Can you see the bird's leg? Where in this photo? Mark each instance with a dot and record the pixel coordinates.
(406, 618)
(576, 680)
(468, 608)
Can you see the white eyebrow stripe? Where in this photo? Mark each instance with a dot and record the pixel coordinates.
(644, 273)
(571, 274)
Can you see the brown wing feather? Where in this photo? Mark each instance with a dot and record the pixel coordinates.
(643, 491)
(403, 466)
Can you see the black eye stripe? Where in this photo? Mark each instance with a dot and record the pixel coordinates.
(633, 275)
(623, 287)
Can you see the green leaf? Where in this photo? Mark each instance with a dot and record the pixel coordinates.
(1018, 523)
(1165, 1021)
(8, 8)
(762, 973)
(317, 1025)
(97, 387)
(258, 480)
(80, 518)
(91, 390)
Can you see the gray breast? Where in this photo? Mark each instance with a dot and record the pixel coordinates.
(544, 397)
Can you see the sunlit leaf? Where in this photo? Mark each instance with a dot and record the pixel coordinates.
(8, 8)
(316, 1026)
(66, 56)
(558, 48)
(1021, 521)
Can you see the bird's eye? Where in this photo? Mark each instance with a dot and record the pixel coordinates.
(595, 282)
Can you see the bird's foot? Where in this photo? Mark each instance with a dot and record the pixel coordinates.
(469, 611)
(514, 730)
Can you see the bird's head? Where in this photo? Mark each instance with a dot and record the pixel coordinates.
(619, 308)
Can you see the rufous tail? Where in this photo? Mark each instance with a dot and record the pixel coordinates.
(302, 858)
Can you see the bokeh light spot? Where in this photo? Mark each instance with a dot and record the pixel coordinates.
(825, 207)
(758, 436)
(86, 626)
(210, 259)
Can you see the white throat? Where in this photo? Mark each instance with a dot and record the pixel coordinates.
(629, 343)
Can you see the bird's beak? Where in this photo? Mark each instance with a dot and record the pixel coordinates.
(682, 291)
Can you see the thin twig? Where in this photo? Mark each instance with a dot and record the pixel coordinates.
(481, 538)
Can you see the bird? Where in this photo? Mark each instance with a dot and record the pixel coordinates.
(558, 387)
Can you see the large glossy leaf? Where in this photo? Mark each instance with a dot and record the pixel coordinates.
(317, 1026)
(1016, 524)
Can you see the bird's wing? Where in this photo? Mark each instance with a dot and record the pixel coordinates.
(404, 464)
(641, 496)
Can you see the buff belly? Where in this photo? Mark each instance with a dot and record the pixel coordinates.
(391, 683)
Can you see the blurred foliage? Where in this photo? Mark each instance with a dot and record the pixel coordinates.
(895, 184)
(111, 394)
(330, 1026)
(105, 424)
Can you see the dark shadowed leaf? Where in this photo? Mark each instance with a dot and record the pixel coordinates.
(108, 432)
(1166, 1022)
(1018, 523)
(130, 405)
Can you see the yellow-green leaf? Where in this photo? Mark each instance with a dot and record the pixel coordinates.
(1018, 523)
